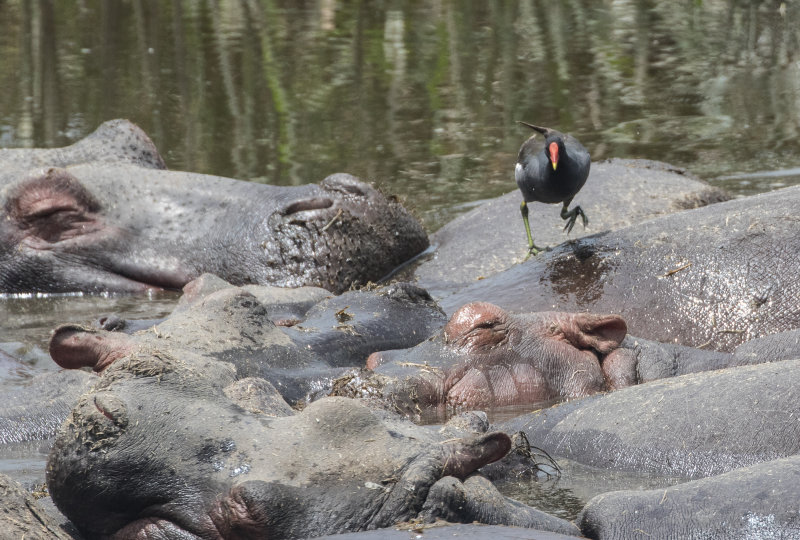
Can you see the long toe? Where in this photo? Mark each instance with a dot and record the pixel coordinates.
(583, 217)
(570, 223)
(533, 250)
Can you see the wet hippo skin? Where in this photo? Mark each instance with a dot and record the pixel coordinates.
(234, 325)
(91, 218)
(486, 357)
(714, 277)
(491, 238)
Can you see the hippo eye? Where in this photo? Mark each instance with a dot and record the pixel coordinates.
(477, 324)
(53, 224)
(485, 334)
(487, 324)
(53, 206)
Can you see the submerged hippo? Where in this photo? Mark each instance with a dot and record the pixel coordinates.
(736, 427)
(490, 238)
(759, 501)
(220, 471)
(300, 357)
(699, 424)
(113, 225)
(711, 277)
(114, 141)
(486, 357)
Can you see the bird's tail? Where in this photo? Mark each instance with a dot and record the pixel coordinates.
(543, 130)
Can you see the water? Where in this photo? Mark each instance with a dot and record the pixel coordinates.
(420, 98)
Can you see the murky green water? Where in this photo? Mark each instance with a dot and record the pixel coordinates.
(421, 98)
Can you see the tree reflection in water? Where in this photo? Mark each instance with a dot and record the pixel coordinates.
(420, 97)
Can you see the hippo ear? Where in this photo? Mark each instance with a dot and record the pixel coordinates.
(73, 347)
(53, 206)
(463, 457)
(603, 333)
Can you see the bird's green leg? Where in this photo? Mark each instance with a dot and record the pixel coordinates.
(572, 215)
(532, 248)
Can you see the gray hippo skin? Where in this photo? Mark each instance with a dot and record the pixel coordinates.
(752, 502)
(117, 226)
(710, 277)
(231, 324)
(695, 425)
(486, 357)
(217, 470)
(491, 238)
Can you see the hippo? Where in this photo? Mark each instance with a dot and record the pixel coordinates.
(106, 225)
(300, 339)
(300, 357)
(759, 501)
(487, 357)
(33, 411)
(220, 470)
(283, 306)
(695, 425)
(713, 277)
(489, 238)
(114, 141)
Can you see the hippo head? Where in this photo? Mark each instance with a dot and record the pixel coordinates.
(340, 233)
(118, 226)
(487, 357)
(156, 449)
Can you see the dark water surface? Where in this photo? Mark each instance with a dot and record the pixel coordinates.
(420, 98)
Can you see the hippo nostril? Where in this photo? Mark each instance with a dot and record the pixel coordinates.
(111, 407)
(345, 183)
(103, 411)
(316, 203)
(112, 323)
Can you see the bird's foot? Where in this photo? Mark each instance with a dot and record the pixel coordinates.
(571, 216)
(534, 250)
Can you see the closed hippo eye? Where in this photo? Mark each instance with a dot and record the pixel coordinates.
(53, 207)
(477, 325)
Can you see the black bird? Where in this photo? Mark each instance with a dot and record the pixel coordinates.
(553, 172)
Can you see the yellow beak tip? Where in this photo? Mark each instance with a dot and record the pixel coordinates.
(555, 165)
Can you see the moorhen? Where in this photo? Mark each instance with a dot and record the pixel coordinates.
(552, 172)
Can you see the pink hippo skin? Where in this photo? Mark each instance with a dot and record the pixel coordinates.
(488, 357)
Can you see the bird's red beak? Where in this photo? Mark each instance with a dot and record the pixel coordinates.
(554, 154)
